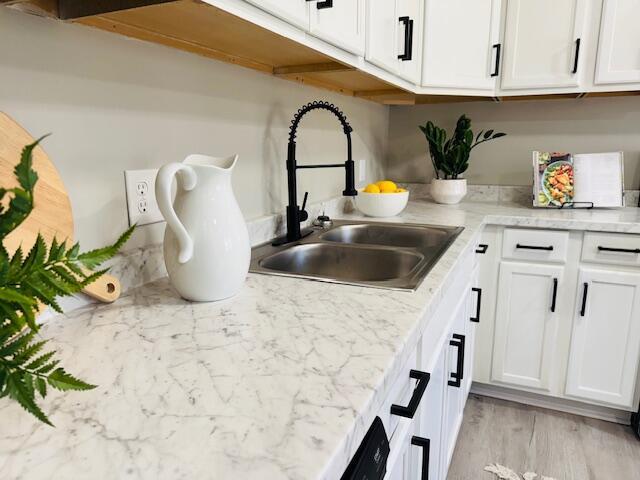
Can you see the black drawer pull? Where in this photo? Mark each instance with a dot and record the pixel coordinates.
(410, 410)
(482, 248)
(583, 310)
(457, 376)
(555, 295)
(534, 247)
(323, 5)
(619, 250)
(408, 39)
(476, 319)
(577, 57)
(498, 48)
(425, 444)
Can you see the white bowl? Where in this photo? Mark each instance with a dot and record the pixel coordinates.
(381, 204)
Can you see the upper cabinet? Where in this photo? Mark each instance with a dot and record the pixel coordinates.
(340, 22)
(397, 51)
(295, 12)
(542, 43)
(394, 37)
(619, 48)
(461, 44)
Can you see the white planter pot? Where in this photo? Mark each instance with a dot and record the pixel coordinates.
(448, 192)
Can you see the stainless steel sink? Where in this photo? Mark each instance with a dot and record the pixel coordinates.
(344, 262)
(384, 255)
(411, 236)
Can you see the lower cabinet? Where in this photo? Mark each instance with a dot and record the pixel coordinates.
(454, 388)
(526, 324)
(566, 321)
(605, 343)
(424, 420)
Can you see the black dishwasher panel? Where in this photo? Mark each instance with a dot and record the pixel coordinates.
(370, 460)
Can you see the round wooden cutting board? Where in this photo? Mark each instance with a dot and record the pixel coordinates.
(51, 215)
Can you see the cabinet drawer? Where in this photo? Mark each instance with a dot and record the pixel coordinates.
(536, 245)
(612, 248)
(400, 394)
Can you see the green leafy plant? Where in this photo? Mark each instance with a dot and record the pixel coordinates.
(450, 157)
(29, 280)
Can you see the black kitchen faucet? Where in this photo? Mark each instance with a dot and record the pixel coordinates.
(295, 214)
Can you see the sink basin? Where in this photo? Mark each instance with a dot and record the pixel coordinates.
(343, 262)
(373, 254)
(418, 237)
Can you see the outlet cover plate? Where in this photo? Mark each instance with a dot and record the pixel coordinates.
(362, 172)
(141, 197)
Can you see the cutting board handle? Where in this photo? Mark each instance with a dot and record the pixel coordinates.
(106, 289)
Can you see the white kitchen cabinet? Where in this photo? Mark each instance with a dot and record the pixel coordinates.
(526, 324)
(394, 36)
(472, 323)
(340, 22)
(410, 46)
(399, 462)
(605, 344)
(461, 44)
(618, 58)
(454, 396)
(295, 12)
(431, 413)
(542, 40)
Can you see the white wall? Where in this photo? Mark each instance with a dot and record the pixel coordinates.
(114, 103)
(573, 125)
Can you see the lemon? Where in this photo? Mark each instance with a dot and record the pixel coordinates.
(401, 190)
(387, 186)
(372, 188)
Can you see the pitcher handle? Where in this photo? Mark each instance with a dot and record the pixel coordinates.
(186, 180)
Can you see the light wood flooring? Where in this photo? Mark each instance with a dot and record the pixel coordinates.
(554, 444)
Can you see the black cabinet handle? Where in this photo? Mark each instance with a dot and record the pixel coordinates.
(482, 248)
(476, 319)
(583, 310)
(410, 410)
(323, 5)
(425, 444)
(457, 377)
(408, 39)
(496, 71)
(577, 57)
(534, 247)
(619, 250)
(555, 295)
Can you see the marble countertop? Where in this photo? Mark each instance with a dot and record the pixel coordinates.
(280, 382)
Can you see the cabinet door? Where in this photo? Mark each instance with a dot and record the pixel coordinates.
(383, 25)
(340, 22)
(605, 344)
(295, 12)
(526, 327)
(458, 43)
(430, 420)
(454, 398)
(541, 43)
(410, 43)
(473, 320)
(399, 462)
(619, 44)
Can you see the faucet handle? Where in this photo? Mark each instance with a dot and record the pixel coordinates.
(303, 213)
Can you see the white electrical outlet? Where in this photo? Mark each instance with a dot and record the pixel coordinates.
(362, 171)
(141, 196)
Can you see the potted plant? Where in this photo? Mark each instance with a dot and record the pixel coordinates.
(29, 279)
(450, 157)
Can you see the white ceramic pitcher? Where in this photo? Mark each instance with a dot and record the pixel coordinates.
(206, 242)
